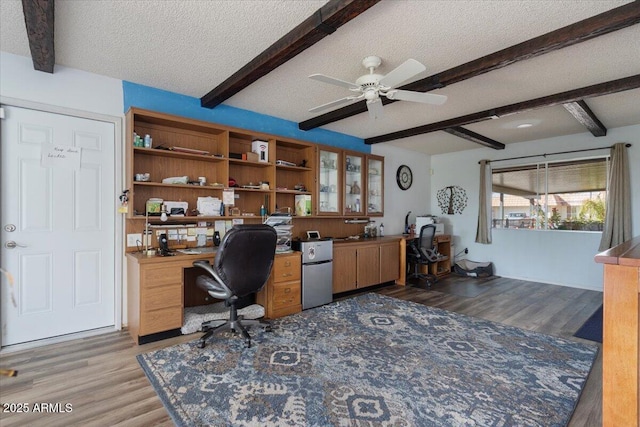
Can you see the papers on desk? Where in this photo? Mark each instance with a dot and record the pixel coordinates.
(196, 251)
(188, 251)
(209, 206)
(283, 226)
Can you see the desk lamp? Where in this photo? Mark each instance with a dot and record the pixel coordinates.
(163, 218)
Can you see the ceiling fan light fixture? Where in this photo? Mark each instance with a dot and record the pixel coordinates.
(524, 125)
(370, 94)
(372, 86)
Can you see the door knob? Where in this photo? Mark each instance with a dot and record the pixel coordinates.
(11, 245)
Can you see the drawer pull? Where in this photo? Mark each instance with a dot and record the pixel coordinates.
(287, 274)
(288, 290)
(287, 263)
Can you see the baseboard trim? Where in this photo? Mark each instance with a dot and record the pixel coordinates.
(55, 340)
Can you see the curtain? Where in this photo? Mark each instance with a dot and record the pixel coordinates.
(617, 222)
(483, 234)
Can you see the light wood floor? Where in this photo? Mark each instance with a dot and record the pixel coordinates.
(101, 379)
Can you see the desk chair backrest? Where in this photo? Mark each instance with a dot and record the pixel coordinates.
(245, 257)
(426, 244)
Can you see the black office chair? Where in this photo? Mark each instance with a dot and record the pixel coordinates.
(241, 267)
(422, 251)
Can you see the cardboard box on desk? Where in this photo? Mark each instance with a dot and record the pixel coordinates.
(303, 205)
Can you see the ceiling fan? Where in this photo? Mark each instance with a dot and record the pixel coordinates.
(371, 86)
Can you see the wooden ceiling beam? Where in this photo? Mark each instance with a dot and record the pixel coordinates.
(323, 22)
(39, 20)
(604, 23)
(600, 89)
(582, 113)
(474, 137)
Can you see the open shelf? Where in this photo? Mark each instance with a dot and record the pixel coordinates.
(303, 169)
(178, 155)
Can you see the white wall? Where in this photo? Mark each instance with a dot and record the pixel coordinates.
(66, 87)
(557, 257)
(396, 201)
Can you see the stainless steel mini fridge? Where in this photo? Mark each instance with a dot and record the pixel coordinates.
(317, 271)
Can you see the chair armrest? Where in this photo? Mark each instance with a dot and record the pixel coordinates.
(214, 285)
(213, 288)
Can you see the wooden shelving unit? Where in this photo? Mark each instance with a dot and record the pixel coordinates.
(442, 268)
(192, 148)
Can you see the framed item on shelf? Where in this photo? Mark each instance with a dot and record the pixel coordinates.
(404, 177)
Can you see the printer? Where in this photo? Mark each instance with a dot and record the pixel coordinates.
(426, 220)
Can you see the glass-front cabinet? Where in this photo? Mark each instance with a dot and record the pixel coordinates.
(375, 185)
(329, 182)
(354, 186)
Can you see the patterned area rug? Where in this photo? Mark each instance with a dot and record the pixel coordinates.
(374, 360)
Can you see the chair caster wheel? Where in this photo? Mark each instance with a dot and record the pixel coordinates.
(247, 344)
(201, 344)
(268, 328)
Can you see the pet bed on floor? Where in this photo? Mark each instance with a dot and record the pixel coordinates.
(195, 316)
(474, 269)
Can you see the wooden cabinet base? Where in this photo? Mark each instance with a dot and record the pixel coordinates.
(621, 335)
(285, 311)
(282, 295)
(361, 264)
(146, 339)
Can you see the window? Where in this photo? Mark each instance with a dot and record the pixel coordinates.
(567, 195)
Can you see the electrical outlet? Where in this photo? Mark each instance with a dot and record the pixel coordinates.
(134, 240)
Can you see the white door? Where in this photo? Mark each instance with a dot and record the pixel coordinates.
(58, 225)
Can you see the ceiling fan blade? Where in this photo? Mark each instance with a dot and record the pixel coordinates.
(333, 103)
(375, 108)
(424, 97)
(333, 81)
(404, 71)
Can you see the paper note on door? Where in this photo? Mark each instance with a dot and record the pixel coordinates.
(60, 156)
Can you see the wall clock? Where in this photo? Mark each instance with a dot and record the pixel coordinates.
(404, 177)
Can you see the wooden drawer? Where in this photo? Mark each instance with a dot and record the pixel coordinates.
(160, 320)
(285, 295)
(159, 276)
(161, 297)
(287, 268)
(285, 311)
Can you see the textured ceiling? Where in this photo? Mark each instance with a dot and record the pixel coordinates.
(190, 47)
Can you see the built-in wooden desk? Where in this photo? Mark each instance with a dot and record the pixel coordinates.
(156, 292)
(439, 269)
(621, 335)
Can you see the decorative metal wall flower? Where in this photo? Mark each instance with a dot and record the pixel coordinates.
(452, 199)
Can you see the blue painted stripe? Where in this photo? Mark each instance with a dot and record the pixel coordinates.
(136, 95)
